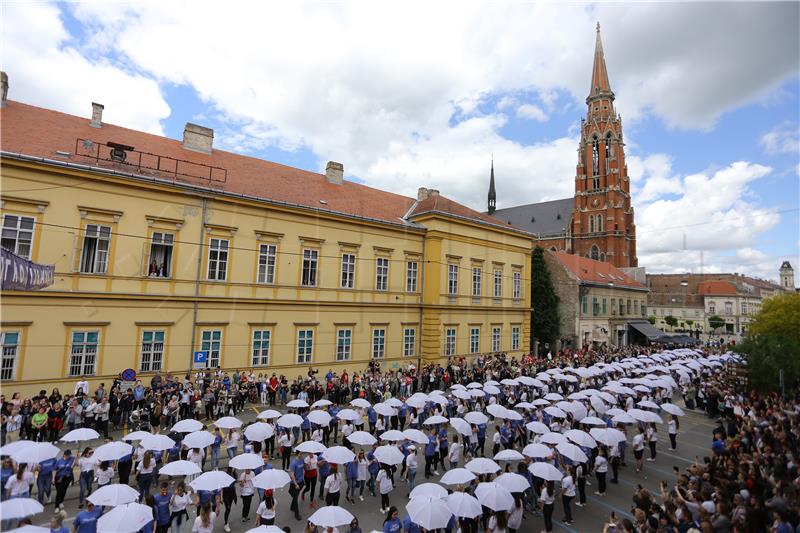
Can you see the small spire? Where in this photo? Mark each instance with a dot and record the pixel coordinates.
(598, 26)
(600, 83)
(492, 194)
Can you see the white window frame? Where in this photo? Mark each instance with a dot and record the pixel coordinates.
(497, 333)
(450, 339)
(305, 346)
(498, 283)
(412, 275)
(8, 370)
(101, 235)
(381, 273)
(218, 253)
(378, 343)
(166, 241)
(515, 337)
(474, 340)
(452, 279)
(212, 346)
(151, 354)
(409, 342)
(82, 351)
(260, 349)
(18, 233)
(344, 344)
(267, 260)
(347, 279)
(309, 273)
(517, 285)
(477, 281)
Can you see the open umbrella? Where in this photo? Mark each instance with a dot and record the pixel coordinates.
(179, 468)
(535, 450)
(362, 438)
(199, 439)
(494, 496)
(35, 453)
(157, 443)
(19, 508)
(80, 434)
(311, 446)
(461, 426)
(593, 421)
(388, 455)
(497, 410)
(394, 402)
(607, 436)
(348, 414)
(509, 455)
(259, 431)
(491, 389)
(246, 461)
(462, 394)
(338, 455)
(672, 409)
(384, 409)
(228, 422)
(476, 417)
(464, 505)
(623, 418)
(417, 402)
(431, 491)
(513, 482)
(29, 529)
(321, 418)
(265, 529)
(125, 518)
(553, 438)
(474, 385)
(272, 479)
(114, 494)
(415, 435)
(136, 435)
(457, 476)
(545, 471)
(537, 427)
(187, 425)
(435, 419)
(269, 414)
(15, 446)
(290, 420)
(571, 452)
(360, 402)
(392, 435)
(211, 481)
(321, 403)
(553, 397)
(482, 465)
(331, 516)
(427, 514)
(581, 438)
(297, 404)
(647, 404)
(113, 451)
(555, 412)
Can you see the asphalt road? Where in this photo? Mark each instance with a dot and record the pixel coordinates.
(694, 439)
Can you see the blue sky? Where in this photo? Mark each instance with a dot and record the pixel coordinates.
(708, 94)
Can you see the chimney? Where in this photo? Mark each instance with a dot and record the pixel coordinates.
(3, 88)
(422, 194)
(97, 115)
(334, 172)
(198, 138)
(433, 192)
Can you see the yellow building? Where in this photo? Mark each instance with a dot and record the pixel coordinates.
(163, 248)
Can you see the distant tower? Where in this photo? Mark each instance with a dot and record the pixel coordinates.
(492, 193)
(787, 276)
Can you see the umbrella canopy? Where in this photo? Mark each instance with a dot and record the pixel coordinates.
(581, 438)
(431, 491)
(457, 476)
(417, 402)
(362, 438)
(311, 446)
(607, 436)
(464, 505)
(491, 389)
(388, 455)
(331, 516)
(269, 414)
(272, 479)
(392, 435)
(512, 415)
(482, 465)
(537, 427)
(290, 420)
(415, 435)
(179, 468)
(535, 450)
(228, 422)
(555, 412)
(553, 397)
(15, 446)
(672, 409)
(571, 452)
(338, 455)
(474, 385)
(214, 480)
(113, 495)
(348, 414)
(462, 394)
(553, 438)
(513, 482)
(80, 434)
(476, 393)
(157, 443)
(321, 403)
(645, 416)
(425, 513)
(126, 518)
(647, 404)
(476, 417)
(265, 529)
(29, 529)
(20, 508)
(593, 421)
(360, 402)
(435, 419)
(259, 431)
(497, 410)
(321, 418)
(246, 461)
(509, 455)
(35, 452)
(461, 426)
(526, 380)
(136, 435)
(199, 439)
(545, 471)
(384, 409)
(297, 404)
(112, 451)
(394, 402)
(494, 496)
(187, 425)
(623, 418)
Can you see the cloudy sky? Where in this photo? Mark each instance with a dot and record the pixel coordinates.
(423, 94)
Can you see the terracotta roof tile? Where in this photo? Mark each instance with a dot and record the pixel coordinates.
(715, 287)
(598, 272)
(440, 204)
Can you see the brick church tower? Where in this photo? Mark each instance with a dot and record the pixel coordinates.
(602, 215)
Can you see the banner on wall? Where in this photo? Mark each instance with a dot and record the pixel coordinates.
(19, 274)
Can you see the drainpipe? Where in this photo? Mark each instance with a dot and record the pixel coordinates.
(422, 271)
(195, 305)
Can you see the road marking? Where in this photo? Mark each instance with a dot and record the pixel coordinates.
(609, 506)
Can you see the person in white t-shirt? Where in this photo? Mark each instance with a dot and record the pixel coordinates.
(672, 429)
(267, 509)
(600, 471)
(547, 499)
(19, 485)
(333, 486)
(568, 494)
(385, 486)
(204, 523)
(638, 449)
(178, 503)
(246, 491)
(103, 473)
(515, 515)
(454, 454)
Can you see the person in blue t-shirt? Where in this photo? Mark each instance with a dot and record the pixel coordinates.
(64, 476)
(373, 467)
(430, 451)
(44, 481)
(57, 523)
(323, 470)
(296, 472)
(392, 524)
(409, 526)
(162, 513)
(86, 520)
(351, 470)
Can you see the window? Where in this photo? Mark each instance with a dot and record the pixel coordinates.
(608, 147)
(728, 308)
(267, 254)
(591, 223)
(595, 158)
(211, 343)
(613, 306)
(10, 341)
(160, 255)
(599, 225)
(712, 308)
(476, 282)
(621, 307)
(636, 308)
(595, 253)
(409, 342)
(595, 307)
(348, 271)
(412, 269)
(18, 235)
(382, 274)
(744, 308)
(218, 259)
(515, 337)
(584, 305)
(305, 345)
(498, 283)
(96, 244)
(643, 308)
(261, 343)
(474, 340)
(344, 342)
(496, 339)
(517, 285)
(152, 356)
(452, 279)
(309, 274)
(83, 353)
(449, 342)
(628, 307)
(604, 307)
(378, 343)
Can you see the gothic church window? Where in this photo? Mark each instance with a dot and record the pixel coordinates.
(591, 223)
(595, 157)
(595, 253)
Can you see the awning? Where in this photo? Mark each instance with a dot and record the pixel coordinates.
(648, 330)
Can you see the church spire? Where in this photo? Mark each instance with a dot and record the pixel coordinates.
(600, 85)
(492, 193)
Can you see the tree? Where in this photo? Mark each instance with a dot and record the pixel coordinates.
(544, 322)
(715, 321)
(671, 321)
(773, 343)
(652, 320)
(689, 323)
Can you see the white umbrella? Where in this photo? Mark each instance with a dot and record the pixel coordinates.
(579, 411)
(644, 416)
(388, 455)
(348, 414)
(114, 494)
(476, 417)
(593, 421)
(228, 422)
(497, 410)
(553, 397)
(672, 409)
(415, 435)
(494, 496)
(435, 419)
(265, 529)
(464, 505)
(269, 414)
(537, 427)
(384, 409)
(524, 405)
(555, 412)
(290, 420)
(199, 439)
(462, 394)
(476, 393)
(513, 482)
(572, 452)
(187, 425)
(482, 465)
(19, 508)
(311, 446)
(540, 402)
(417, 401)
(29, 529)
(15, 446)
(338, 455)
(360, 402)
(180, 468)
(545, 471)
(431, 491)
(126, 518)
(259, 431)
(647, 404)
(272, 479)
(211, 481)
(553, 438)
(457, 476)
(461, 426)
(297, 404)
(474, 385)
(113, 451)
(394, 402)
(136, 435)
(362, 438)
(508, 455)
(623, 418)
(80, 434)
(537, 451)
(512, 415)
(607, 436)
(392, 435)
(581, 438)
(246, 461)
(580, 395)
(157, 443)
(526, 380)
(331, 516)
(321, 403)
(509, 382)
(35, 453)
(427, 514)
(321, 418)
(491, 389)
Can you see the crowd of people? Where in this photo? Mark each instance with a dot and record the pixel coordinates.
(748, 482)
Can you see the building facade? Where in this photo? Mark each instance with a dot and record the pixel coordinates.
(173, 254)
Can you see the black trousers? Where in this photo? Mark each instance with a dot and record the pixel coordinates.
(246, 500)
(61, 489)
(582, 490)
(548, 516)
(124, 470)
(673, 440)
(566, 502)
(601, 482)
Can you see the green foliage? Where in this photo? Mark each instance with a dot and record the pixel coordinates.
(652, 320)
(544, 322)
(671, 321)
(715, 322)
(690, 322)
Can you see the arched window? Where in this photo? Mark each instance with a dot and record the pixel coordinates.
(595, 157)
(595, 253)
(608, 146)
(591, 223)
(599, 224)
(603, 257)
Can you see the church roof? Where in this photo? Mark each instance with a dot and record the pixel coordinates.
(542, 218)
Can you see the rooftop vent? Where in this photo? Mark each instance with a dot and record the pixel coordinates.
(198, 138)
(334, 172)
(97, 115)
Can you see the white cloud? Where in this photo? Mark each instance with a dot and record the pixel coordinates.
(652, 177)
(45, 70)
(532, 112)
(782, 139)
